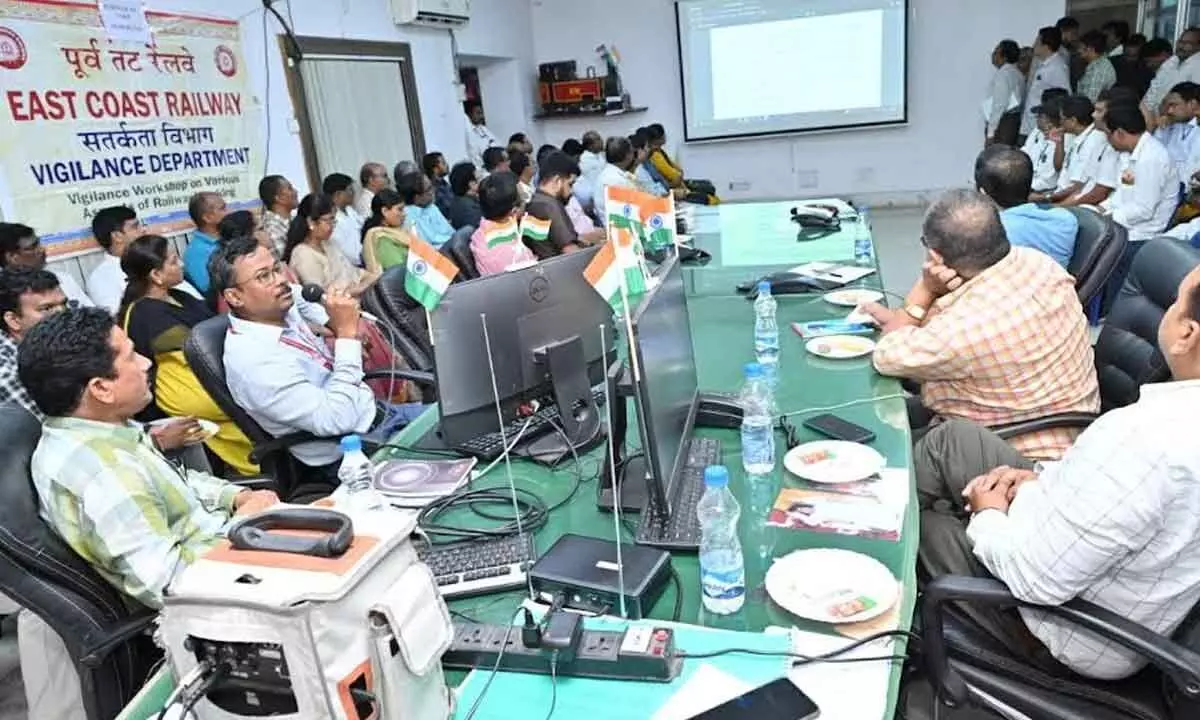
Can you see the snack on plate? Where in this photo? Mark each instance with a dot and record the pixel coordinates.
(852, 607)
(815, 457)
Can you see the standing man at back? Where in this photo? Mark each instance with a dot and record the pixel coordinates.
(280, 200)
(1051, 72)
(995, 334)
(1100, 74)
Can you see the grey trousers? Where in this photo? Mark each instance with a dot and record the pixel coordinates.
(949, 456)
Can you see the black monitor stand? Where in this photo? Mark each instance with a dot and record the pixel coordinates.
(579, 415)
(632, 473)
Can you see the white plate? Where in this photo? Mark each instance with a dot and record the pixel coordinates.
(832, 586)
(852, 297)
(210, 428)
(833, 462)
(840, 347)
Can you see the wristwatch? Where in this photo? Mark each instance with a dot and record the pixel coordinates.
(916, 311)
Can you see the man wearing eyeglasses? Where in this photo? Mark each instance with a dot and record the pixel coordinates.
(20, 247)
(283, 375)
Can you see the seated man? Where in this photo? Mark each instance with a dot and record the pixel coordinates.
(20, 248)
(1004, 174)
(1089, 171)
(114, 228)
(436, 169)
(207, 210)
(26, 297)
(556, 183)
(495, 160)
(420, 212)
(101, 484)
(496, 244)
(282, 374)
(1116, 522)
(464, 209)
(347, 223)
(994, 333)
(617, 173)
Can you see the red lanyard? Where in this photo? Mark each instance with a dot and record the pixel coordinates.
(320, 355)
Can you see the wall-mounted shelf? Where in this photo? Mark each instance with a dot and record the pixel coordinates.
(592, 114)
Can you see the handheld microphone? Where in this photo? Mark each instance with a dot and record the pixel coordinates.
(312, 292)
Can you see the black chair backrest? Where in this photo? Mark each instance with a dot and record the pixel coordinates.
(1127, 354)
(458, 248)
(42, 573)
(390, 302)
(205, 353)
(1098, 247)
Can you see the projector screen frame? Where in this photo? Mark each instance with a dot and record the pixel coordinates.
(818, 130)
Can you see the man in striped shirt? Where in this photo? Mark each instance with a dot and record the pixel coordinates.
(994, 334)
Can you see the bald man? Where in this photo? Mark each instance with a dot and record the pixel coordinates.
(373, 177)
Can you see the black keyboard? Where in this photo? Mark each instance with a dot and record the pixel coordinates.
(475, 567)
(680, 530)
(491, 446)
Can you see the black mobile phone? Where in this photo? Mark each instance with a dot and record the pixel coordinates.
(777, 700)
(832, 426)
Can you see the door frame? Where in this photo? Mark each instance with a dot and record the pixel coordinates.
(342, 49)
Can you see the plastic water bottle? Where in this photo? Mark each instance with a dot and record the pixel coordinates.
(864, 249)
(722, 568)
(758, 436)
(766, 333)
(354, 474)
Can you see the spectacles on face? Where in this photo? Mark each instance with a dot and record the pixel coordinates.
(265, 277)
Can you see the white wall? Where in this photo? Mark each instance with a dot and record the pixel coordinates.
(950, 42)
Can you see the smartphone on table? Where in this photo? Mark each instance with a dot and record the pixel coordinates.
(777, 700)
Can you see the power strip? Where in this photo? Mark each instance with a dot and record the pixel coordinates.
(640, 652)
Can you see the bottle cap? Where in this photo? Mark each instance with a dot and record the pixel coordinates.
(753, 370)
(351, 443)
(764, 287)
(716, 476)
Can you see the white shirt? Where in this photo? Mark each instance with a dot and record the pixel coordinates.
(362, 204)
(1040, 150)
(106, 284)
(1179, 140)
(1189, 70)
(1091, 161)
(1164, 80)
(1052, 73)
(1004, 94)
(1116, 522)
(479, 138)
(71, 288)
(610, 175)
(1145, 206)
(347, 234)
(288, 381)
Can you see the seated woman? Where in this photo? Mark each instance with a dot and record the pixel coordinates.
(158, 319)
(464, 209)
(662, 167)
(384, 239)
(313, 256)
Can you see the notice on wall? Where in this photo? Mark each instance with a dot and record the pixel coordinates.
(88, 120)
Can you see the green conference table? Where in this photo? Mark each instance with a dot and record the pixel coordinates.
(722, 327)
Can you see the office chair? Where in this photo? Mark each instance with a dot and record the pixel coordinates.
(106, 641)
(1127, 354)
(205, 353)
(390, 302)
(1099, 243)
(968, 670)
(458, 249)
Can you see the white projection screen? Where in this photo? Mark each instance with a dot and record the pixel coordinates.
(750, 68)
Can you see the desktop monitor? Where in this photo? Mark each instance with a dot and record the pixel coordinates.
(543, 326)
(666, 397)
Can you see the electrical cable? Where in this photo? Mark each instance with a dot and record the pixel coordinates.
(531, 507)
(553, 684)
(193, 676)
(829, 657)
(495, 668)
(220, 672)
(678, 594)
(839, 406)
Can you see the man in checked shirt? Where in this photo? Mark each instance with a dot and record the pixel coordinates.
(994, 334)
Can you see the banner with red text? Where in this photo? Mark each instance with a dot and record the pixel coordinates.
(88, 122)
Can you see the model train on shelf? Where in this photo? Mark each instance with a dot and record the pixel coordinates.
(562, 92)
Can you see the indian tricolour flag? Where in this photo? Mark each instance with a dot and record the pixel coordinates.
(501, 233)
(616, 264)
(624, 208)
(535, 228)
(658, 217)
(429, 274)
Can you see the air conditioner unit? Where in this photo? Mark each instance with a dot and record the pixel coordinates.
(437, 13)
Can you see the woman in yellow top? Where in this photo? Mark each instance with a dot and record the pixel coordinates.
(158, 319)
(314, 257)
(385, 240)
(701, 192)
